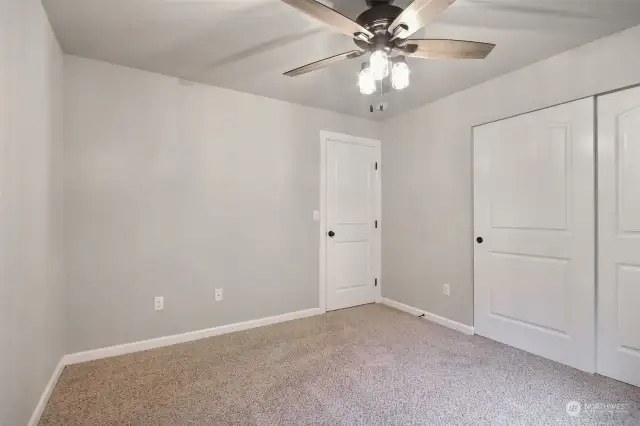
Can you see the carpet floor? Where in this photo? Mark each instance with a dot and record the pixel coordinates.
(370, 365)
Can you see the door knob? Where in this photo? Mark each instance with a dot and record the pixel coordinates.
(479, 240)
(331, 234)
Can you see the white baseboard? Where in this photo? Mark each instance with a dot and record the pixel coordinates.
(446, 322)
(48, 390)
(158, 342)
(143, 345)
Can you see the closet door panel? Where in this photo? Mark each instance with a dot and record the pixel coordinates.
(534, 271)
(619, 236)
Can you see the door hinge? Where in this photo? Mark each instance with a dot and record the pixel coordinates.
(375, 282)
(376, 165)
(376, 224)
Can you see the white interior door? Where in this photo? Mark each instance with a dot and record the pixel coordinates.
(619, 236)
(534, 209)
(352, 221)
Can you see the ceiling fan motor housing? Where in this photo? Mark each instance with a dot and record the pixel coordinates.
(372, 3)
(377, 19)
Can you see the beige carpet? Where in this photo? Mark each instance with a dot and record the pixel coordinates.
(370, 365)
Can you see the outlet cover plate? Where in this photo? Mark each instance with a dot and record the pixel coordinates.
(158, 303)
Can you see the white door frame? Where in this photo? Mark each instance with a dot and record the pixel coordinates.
(324, 137)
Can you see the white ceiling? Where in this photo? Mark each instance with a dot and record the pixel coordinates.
(246, 45)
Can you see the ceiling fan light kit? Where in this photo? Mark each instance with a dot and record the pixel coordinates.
(398, 76)
(383, 30)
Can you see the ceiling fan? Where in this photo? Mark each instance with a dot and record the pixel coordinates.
(384, 30)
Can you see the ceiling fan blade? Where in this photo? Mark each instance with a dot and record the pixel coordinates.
(416, 16)
(324, 63)
(447, 49)
(329, 17)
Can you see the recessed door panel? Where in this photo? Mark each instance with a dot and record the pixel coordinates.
(628, 312)
(528, 180)
(531, 290)
(628, 160)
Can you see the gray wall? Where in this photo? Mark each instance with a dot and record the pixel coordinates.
(31, 293)
(427, 187)
(173, 190)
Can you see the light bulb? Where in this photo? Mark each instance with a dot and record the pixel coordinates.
(366, 82)
(379, 64)
(400, 74)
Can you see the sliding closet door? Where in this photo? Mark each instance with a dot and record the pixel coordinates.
(619, 236)
(534, 227)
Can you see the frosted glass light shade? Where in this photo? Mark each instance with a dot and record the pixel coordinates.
(366, 82)
(379, 63)
(400, 75)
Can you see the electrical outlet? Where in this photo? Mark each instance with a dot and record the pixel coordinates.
(446, 290)
(158, 303)
(218, 294)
